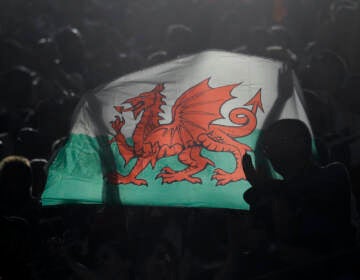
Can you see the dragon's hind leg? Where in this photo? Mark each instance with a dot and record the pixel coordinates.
(195, 162)
(223, 143)
(116, 178)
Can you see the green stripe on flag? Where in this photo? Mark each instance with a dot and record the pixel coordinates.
(77, 172)
(76, 176)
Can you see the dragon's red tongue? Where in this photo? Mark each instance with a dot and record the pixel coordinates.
(120, 109)
(125, 110)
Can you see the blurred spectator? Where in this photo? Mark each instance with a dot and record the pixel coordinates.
(71, 47)
(156, 58)
(15, 244)
(38, 168)
(326, 72)
(281, 54)
(15, 182)
(279, 35)
(258, 40)
(47, 55)
(29, 143)
(44, 89)
(16, 87)
(12, 53)
(51, 112)
(7, 145)
(179, 40)
(161, 264)
(349, 95)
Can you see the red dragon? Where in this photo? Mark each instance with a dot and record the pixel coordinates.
(190, 130)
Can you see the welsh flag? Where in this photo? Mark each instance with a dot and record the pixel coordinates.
(171, 135)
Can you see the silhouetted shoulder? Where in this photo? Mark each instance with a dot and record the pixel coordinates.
(336, 168)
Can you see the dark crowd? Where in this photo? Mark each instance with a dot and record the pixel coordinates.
(302, 227)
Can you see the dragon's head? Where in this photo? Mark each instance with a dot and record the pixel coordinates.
(146, 100)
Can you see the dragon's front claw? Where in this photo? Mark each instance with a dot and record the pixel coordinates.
(224, 178)
(221, 182)
(219, 175)
(117, 124)
(165, 178)
(220, 172)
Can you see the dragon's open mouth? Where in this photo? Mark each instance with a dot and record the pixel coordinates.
(135, 107)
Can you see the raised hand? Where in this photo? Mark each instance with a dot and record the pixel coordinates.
(285, 82)
(250, 172)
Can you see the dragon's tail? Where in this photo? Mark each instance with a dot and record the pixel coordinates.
(244, 118)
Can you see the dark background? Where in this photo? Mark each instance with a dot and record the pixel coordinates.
(52, 52)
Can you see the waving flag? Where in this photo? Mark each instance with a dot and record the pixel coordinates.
(171, 135)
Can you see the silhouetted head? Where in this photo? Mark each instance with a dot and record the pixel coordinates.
(47, 52)
(15, 180)
(344, 12)
(46, 89)
(257, 40)
(71, 47)
(279, 35)
(156, 58)
(179, 40)
(287, 144)
(28, 143)
(281, 53)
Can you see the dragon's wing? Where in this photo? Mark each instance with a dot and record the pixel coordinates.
(199, 106)
(192, 114)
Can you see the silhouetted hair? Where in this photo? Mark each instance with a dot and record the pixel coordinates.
(15, 178)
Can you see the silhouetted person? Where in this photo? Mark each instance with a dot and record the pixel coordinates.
(16, 87)
(311, 207)
(14, 248)
(71, 47)
(18, 216)
(179, 40)
(28, 143)
(15, 186)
